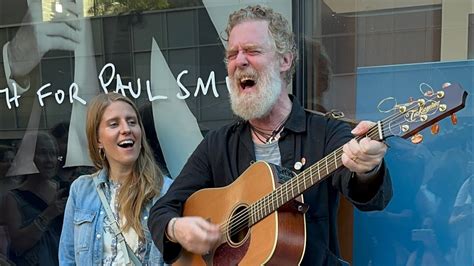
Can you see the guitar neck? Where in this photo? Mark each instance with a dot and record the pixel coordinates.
(303, 181)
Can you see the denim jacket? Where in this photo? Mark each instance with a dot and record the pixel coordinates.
(81, 238)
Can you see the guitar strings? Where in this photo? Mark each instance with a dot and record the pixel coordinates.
(371, 133)
(242, 219)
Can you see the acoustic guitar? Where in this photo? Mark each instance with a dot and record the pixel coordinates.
(262, 221)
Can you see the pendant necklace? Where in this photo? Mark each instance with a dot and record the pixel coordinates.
(263, 135)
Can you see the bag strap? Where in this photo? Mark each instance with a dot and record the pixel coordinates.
(129, 254)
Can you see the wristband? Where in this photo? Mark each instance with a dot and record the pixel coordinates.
(172, 237)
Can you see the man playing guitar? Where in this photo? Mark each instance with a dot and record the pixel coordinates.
(260, 57)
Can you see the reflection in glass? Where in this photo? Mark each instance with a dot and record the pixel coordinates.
(35, 209)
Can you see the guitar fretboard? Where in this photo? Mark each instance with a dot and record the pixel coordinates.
(301, 182)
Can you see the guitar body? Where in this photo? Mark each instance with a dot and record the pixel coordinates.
(277, 239)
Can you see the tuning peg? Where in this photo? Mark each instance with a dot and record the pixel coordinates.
(417, 138)
(454, 119)
(445, 85)
(435, 129)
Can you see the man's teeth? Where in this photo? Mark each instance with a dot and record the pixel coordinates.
(244, 79)
(247, 81)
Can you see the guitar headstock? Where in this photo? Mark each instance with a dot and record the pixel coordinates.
(409, 118)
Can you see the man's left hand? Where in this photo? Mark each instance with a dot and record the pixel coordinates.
(365, 155)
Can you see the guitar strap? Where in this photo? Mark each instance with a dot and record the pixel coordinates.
(335, 114)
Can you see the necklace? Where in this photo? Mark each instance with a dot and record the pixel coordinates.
(264, 135)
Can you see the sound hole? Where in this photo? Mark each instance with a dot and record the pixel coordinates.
(238, 226)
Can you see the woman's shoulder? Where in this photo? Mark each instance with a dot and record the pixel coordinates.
(167, 181)
(84, 193)
(83, 182)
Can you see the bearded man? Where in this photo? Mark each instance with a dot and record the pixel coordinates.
(260, 57)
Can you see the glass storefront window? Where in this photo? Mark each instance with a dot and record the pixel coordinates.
(359, 53)
(167, 55)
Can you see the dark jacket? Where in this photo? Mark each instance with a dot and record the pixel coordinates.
(225, 153)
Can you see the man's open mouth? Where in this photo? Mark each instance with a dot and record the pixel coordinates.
(247, 82)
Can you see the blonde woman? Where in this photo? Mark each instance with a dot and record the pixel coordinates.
(129, 181)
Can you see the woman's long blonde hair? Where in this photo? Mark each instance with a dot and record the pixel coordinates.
(146, 180)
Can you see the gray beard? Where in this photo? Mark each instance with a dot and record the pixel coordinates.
(260, 103)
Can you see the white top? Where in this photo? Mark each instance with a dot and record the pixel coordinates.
(113, 255)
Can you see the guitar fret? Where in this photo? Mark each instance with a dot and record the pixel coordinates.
(287, 192)
(293, 193)
(267, 210)
(276, 199)
(319, 172)
(327, 170)
(282, 192)
(379, 127)
(335, 159)
(271, 204)
(304, 182)
(297, 187)
(275, 202)
(257, 210)
(311, 174)
(307, 181)
(265, 206)
(279, 197)
(290, 191)
(269, 207)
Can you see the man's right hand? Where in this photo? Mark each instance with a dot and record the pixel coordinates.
(195, 234)
(34, 38)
